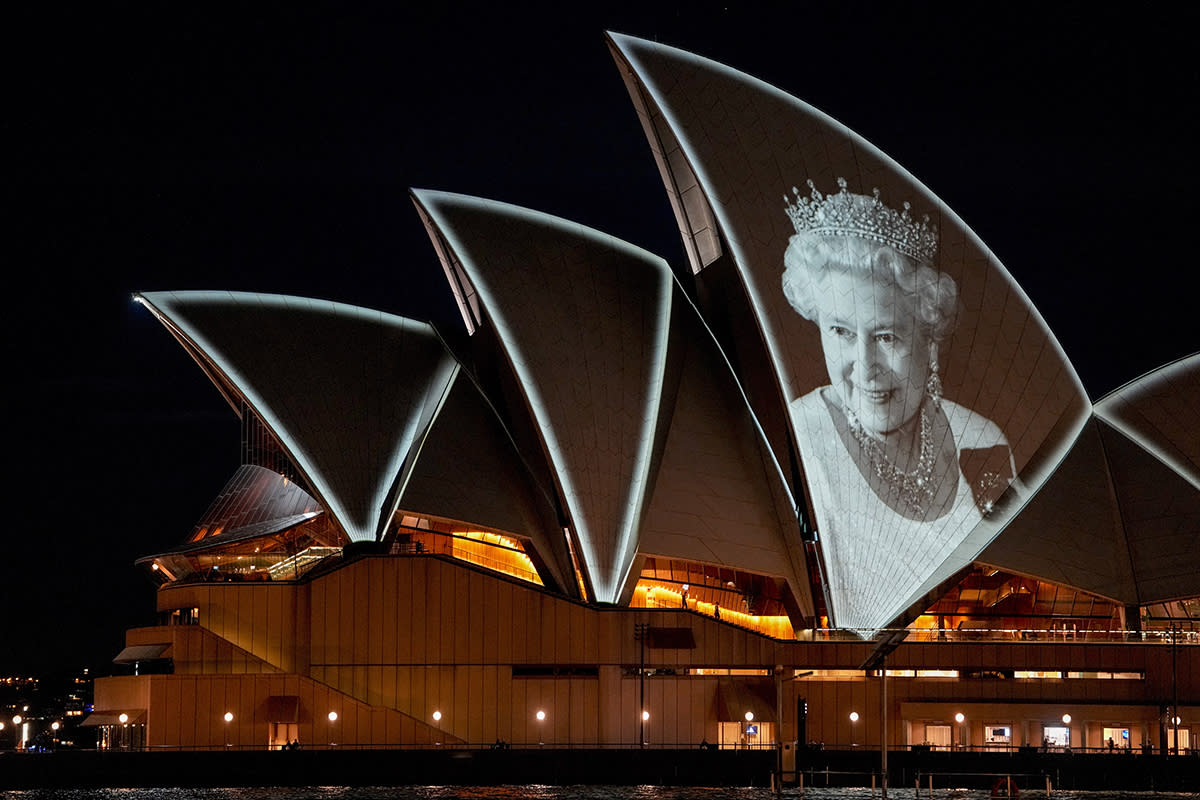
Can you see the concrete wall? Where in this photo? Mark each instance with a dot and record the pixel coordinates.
(387, 641)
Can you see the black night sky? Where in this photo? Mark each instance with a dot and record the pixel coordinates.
(178, 146)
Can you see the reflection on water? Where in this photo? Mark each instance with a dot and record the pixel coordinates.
(545, 793)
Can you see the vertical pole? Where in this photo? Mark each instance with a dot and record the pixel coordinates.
(1175, 684)
(640, 635)
(883, 727)
(779, 727)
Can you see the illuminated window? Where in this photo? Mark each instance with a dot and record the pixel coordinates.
(997, 734)
(495, 552)
(1115, 738)
(579, 581)
(938, 736)
(1123, 676)
(738, 597)
(1056, 736)
(832, 674)
(488, 549)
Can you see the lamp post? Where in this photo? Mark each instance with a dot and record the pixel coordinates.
(437, 720)
(854, 729)
(333, 718)
(228, 719)
(541, 717)
(645, 719)
(640, 630)
(958, 738)
(123, 742)
(746, 728)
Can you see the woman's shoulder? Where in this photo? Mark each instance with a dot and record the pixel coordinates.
(972, 429)
(813, 419)
(809, 403)
(984, 457)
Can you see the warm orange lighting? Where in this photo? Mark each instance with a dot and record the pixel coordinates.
(493, 551)
(648, 594)
(496, 552)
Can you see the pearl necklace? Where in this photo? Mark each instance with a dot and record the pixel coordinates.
(915, 489)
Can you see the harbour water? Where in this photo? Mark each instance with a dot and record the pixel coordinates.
(535, 792)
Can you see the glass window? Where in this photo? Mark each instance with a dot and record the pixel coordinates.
(1116, 738)
(1056, 736)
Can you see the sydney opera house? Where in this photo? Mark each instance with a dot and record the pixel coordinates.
(831, 480)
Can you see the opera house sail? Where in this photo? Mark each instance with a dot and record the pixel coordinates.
(638, 501)
(926, 398)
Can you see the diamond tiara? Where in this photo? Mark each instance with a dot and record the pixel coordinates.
(849, 214)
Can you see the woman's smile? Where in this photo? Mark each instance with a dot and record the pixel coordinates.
(878, 396)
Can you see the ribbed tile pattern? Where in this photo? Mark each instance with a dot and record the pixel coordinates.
(1011, 395)
(470, 470)
(1072, 533)
(252, 496)
(583, 320)
(713, 500)
(1161, 412)
(1160, 511)
(347, 391)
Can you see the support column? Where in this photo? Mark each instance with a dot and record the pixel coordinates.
(883, 728)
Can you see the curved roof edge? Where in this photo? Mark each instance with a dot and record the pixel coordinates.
(166, 306)
(1176, 381)
(607, 578)
(634, 51)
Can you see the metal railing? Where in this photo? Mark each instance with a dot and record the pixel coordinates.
(1013, 635)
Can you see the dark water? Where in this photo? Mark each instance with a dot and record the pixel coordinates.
(546, 793)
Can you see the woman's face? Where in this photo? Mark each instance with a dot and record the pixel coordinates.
(876, 352)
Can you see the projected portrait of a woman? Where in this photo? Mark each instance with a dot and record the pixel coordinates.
(898, 473)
